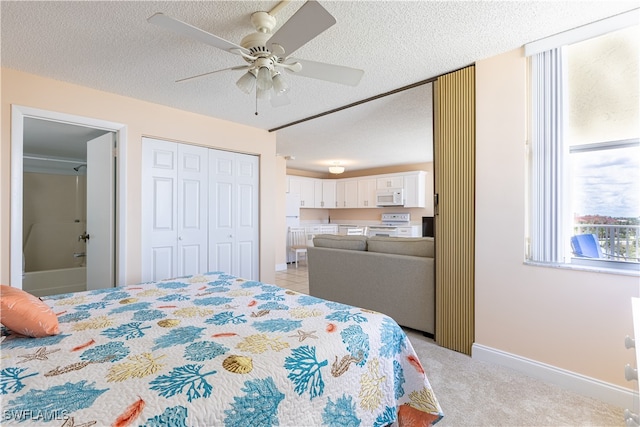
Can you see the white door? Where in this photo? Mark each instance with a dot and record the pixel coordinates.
(233, 214)
(247, 230)
(192, 209)
(174, 209)
(159, 209)
(100, 233)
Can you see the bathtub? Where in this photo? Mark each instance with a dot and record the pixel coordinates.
(52, 282)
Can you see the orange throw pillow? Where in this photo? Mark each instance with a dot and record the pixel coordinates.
(26, 314)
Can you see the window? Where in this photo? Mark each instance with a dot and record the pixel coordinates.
(585, 152)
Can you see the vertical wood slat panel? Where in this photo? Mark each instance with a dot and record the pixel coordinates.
(454, 166)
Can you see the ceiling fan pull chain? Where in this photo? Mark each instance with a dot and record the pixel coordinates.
(256, 103)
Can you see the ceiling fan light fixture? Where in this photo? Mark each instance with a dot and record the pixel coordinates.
(263, 94)
(280, 85)
(247, 82)
(263, 79)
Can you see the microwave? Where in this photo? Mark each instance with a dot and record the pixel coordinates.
(390, 197)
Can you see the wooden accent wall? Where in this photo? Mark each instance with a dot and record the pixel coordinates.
(454, 171)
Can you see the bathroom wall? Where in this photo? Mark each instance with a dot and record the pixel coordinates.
(53, 218)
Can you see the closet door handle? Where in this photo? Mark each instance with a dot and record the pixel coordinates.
(629, 342)
(630, 373)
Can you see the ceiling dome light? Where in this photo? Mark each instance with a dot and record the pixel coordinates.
(336, 168)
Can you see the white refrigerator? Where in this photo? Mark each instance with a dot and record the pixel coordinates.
(293, 219)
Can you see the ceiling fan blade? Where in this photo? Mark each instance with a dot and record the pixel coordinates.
(240, 67)
(328, 72)
(307, 23)
(182, 28)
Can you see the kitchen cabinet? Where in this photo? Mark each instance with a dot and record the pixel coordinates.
(306, 188)
(415, 189)
(314, 193)
(344, 228)
(409, 231)
(360, 192)
(317, 193)
(367, 193)
(347, 193)
(390, 182)
(328, 193)
(315, 229)
(328, 229)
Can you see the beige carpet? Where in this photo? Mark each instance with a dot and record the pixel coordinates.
(474, 393)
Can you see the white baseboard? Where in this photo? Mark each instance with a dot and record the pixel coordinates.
(281, 267)
(577, 383)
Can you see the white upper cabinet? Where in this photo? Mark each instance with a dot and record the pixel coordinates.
(347, 193)
(329, 187)
(367, 193)
(360, 192)
(314, 193)
(306, 188)
(317, 193)
(390, 182)
(414, 189)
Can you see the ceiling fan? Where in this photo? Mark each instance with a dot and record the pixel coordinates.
(267, 54)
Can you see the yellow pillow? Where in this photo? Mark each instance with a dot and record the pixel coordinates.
(26, 314)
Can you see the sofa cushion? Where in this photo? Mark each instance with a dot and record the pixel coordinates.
(354, 243)
(413, 246)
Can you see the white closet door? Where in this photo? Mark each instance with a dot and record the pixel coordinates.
(247, 230)
(192, 209)
(174, 209)
(233, 214)
(222, 199)
(159, 209)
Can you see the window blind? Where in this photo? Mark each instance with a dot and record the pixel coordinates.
(547, 151)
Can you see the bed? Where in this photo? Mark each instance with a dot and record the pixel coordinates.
(213, 350)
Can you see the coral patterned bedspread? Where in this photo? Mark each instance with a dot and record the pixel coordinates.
(213, 350)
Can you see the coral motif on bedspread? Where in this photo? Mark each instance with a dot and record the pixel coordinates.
(213, 350)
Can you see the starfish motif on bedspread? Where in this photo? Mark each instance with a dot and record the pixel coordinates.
(302, 335)
(70, 422)
(40, 354)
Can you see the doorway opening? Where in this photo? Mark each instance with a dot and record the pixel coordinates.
(52, 202)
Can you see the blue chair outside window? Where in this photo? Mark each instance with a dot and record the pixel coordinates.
(586, 246)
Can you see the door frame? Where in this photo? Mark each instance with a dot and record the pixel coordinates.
(18, 114)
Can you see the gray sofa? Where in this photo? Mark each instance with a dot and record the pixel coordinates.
(391, 275)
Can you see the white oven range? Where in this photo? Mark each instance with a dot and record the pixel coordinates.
(383, 230)
(393, 225)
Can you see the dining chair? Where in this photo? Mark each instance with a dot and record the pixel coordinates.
(298, 242)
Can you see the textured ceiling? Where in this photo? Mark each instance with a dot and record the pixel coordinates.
(110, 46)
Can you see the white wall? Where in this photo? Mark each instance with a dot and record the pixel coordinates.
(571, 320)
(142, 119)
